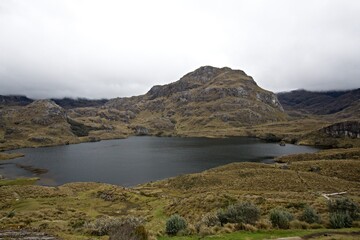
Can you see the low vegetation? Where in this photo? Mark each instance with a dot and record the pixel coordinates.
(175, 224)
(246, 213)
(7, 156)
(280, 218)
(252, 198)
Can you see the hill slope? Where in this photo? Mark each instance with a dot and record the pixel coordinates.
(321, 103)
(207, 98)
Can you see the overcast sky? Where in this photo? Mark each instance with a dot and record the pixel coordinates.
(105, 49)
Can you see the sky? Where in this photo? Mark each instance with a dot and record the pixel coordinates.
(106, 49)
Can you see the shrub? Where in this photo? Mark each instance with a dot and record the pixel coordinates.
(340, 220)
(296, 224)
(130, 228)
(246, 213)
(246, 227)
(129, 232)
(174, 224)
(344, 205)
(264, 224)
(208, 220)
(280, 218)
(316, 226)
(309, 215)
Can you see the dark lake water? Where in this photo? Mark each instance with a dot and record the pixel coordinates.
(136, 160)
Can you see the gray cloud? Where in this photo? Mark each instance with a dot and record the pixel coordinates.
(105, 49)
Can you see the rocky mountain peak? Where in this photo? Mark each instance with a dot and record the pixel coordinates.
(198, 78)
(45, 112)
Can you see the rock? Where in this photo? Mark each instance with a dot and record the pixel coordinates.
(94, 139)
(349, 129)
(40, 139)
(315, 169)
(141, 131)
(46, 112)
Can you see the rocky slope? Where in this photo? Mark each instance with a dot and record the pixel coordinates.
(207, 98)
(40, 123)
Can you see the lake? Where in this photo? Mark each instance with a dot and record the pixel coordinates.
(136, 160)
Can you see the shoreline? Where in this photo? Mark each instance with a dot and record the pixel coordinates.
(39, 170)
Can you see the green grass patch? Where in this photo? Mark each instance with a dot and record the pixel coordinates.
(18, 181)
(270, 234)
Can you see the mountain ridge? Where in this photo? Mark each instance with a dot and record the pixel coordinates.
(202, 102)
(207, 102)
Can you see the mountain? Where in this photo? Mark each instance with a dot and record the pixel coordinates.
(14, 100)
(39, 123)
(69, 103)
(206, 102)
(320, 103)
(207, 98)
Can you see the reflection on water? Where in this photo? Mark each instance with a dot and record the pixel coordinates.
(138, 160)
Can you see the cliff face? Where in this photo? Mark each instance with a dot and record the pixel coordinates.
(349, 129)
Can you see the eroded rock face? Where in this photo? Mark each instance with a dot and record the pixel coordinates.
(349, 129)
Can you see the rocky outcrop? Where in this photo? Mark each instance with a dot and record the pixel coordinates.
(349, 129)
(45, 112)
(141, 131)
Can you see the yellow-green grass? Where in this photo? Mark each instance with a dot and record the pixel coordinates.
(18, 181)
(7, 156)
(342, 169)
(328, 154)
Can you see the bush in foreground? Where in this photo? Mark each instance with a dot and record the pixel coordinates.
(246, 213)
(340, 220)
(129, 228)
(309, 215)
(345, 205)
(280, 218)
(175, 224)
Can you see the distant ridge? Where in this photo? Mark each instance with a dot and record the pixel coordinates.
(67, 103)
(15, 100)
(319, 102)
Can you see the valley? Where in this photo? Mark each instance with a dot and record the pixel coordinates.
(215, 103)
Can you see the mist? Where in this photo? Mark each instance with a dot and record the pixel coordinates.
(106, 49)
